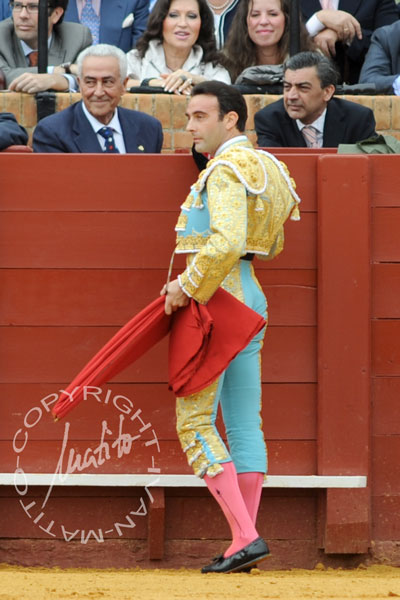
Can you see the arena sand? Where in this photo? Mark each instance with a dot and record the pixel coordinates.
(18, 583)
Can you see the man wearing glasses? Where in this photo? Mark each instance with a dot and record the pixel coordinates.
(19, 44)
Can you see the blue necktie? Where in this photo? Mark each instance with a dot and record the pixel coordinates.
(91, 20)
(107, 134)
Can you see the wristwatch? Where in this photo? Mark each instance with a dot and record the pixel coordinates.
(66, 66)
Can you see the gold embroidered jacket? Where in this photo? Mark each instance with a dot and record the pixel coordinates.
(239, 204)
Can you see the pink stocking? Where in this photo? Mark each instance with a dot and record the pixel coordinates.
(225, 489)
(251, 487)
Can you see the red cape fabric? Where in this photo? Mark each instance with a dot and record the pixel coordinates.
(204, 339)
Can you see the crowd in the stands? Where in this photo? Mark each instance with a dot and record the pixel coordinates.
(172, 45)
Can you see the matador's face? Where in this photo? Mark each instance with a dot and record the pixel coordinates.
(209, 130)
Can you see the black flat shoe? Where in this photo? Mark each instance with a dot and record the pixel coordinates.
(242, 570)
(246, 557)
(246, 569)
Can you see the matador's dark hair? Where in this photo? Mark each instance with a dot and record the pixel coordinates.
(229, 99)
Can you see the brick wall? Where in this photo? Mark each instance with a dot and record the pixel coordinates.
(170, 110)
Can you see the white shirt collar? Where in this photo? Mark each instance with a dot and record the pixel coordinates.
(318, 123)
(96, 125)
(234, 140)
(27, 49)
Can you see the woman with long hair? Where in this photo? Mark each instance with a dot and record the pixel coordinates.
(259, 35)
(178, 48)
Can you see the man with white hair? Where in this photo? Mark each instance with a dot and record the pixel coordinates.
(97, 123)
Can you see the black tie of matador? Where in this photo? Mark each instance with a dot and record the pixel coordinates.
(107, 134)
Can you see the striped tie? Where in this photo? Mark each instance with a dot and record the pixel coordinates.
(310, 135)
(91, 20)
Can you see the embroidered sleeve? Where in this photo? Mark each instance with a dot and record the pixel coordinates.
(228, 224)
(276, 247)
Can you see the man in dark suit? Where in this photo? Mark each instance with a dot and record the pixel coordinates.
(344, 31)
(382, 63)
(308, 115)
(10, 132)
(96, 124)
(19, 43)
(117, 23)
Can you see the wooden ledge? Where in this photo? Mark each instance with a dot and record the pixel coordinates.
(164, 481)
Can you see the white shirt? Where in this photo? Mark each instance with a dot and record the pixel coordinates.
(318, 124)
(314, 25)
(396, 86)
(114, 124)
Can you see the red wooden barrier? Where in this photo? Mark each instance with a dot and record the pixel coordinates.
(80, 254)
(344, 345)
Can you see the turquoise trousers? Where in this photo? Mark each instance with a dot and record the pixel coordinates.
(237, 391)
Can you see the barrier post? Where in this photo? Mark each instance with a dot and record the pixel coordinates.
(344, 346)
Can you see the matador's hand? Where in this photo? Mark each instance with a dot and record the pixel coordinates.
(174, 297)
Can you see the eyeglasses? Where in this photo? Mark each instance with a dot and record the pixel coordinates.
(31, 7)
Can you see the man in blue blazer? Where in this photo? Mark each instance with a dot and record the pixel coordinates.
(97, 124)
(344, 33)
(122, 22)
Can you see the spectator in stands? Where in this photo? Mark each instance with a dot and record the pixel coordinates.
(177, 49)
(223, 13)
(382, 63)
(19, 43)
(259, 35)
(309, 115)
(10, 132)
(342, 29)
(97, 124)
(5, 9)
(116, 23)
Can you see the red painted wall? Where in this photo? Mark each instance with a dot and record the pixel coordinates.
(85, 243)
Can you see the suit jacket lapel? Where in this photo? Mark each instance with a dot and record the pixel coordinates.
(19, 56)
(72, 12)
(112, 13)
(85, 138)
(292, 133)
(129, 125)
(56, 50)
(335, 124)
